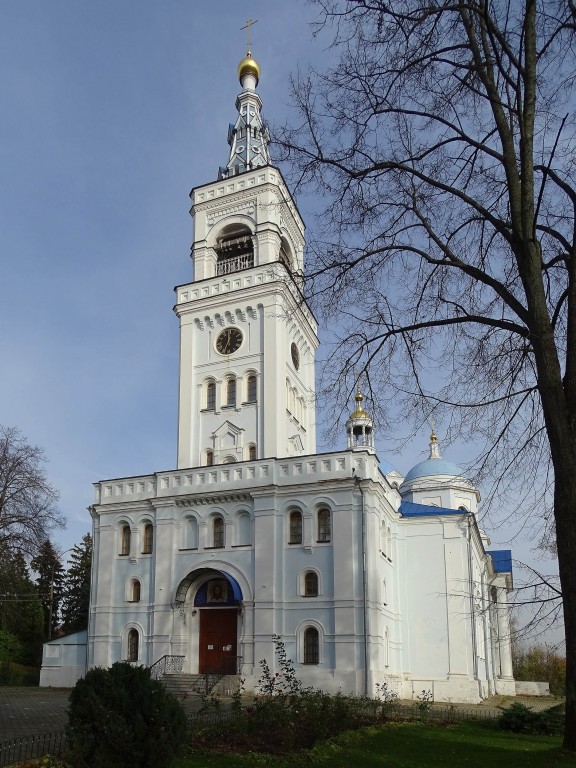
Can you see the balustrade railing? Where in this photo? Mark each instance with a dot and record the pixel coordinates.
(234, 264)
(167, 665)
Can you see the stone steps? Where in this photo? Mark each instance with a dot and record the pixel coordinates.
(183, 684)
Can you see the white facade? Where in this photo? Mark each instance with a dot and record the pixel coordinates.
(366, 578)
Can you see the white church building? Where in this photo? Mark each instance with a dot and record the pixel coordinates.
(367, 578)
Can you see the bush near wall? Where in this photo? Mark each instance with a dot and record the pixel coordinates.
(542, 663)
(18, 674)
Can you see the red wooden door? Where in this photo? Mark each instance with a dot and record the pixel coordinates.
(218, 640)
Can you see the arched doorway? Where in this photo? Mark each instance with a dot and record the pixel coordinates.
(215, 602)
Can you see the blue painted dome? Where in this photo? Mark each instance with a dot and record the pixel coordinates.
(433, 467)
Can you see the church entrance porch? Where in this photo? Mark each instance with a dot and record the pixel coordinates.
(209, 623)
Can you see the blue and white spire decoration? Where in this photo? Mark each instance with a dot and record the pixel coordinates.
(248, 137)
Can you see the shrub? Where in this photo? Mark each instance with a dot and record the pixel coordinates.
(11, 648)
(121, 718)
(522, 719)
(18, 674)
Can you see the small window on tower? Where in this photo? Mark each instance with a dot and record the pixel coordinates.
(211, 396)
(252, 390)
(231, 392)
(209, 458)
(252, 453)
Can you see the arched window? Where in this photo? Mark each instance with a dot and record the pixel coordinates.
(252, 389)
(125, 540)
(211, 396)
(231, 392)
(191, 533)
(251, 453)
(324, 527)
(234, 249)
(295, 527)
(218, 532)
(243, 529)
(135, 592)
(389, 543)
(148, 539)
(311, 584)
(311, 646)
(133, 643)
(209, 458)
(384, 593)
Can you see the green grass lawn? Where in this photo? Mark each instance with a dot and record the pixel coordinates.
(412, 745)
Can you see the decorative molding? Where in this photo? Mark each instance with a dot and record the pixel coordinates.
(191, 501)
(246, 207)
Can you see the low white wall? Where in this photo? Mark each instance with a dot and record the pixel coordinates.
(64, 661)
(531, 688)
(60, 677)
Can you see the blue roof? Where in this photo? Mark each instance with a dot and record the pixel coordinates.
(433, 467)
(502, 559)
(411, 509)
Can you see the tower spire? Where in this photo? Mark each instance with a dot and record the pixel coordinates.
(434, 446)
(248, 137)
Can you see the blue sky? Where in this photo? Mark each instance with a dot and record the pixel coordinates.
(111, 112)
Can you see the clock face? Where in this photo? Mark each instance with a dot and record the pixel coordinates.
(229, 341)
(295, 356)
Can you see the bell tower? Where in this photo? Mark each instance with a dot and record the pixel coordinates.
(247, 337)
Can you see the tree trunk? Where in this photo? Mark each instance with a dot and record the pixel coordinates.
(565, 515)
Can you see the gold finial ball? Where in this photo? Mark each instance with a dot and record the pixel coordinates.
(249, 66)
(359, 413)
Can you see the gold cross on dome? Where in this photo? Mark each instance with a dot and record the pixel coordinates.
(249, 23)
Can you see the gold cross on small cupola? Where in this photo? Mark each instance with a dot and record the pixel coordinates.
(250, 23)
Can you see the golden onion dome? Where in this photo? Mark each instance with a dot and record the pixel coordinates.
(249, 66)
(359, 413)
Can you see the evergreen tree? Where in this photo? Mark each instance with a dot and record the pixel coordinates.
(20, 609)
(76, 591)
(49, 581)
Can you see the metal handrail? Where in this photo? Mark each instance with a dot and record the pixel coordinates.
(167, 665)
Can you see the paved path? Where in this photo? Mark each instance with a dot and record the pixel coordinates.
(26, 711)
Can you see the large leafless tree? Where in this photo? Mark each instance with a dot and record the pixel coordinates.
(443, 140)
(27, 500)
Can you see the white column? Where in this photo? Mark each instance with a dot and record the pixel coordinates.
(504, 639)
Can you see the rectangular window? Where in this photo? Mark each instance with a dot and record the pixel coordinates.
(125, 543)
(148, 539)
(218, 532)
(311, 646)
(211, 396)
(324, 525)
(295, 528)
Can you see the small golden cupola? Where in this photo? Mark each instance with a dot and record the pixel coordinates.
(359, 427)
